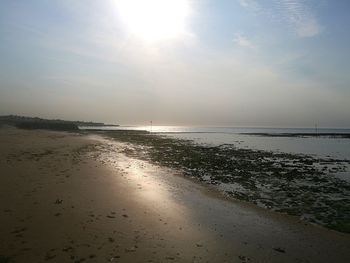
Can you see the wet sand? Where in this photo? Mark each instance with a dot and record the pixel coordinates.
(77, 198)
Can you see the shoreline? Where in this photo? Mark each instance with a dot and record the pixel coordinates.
(73, 197)
(296, 184)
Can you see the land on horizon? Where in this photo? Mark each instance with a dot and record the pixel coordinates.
(37, 123)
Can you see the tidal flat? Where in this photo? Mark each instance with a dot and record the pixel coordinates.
(75, 197)
(296, 184)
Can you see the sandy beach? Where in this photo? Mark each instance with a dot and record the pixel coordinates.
(67, 197)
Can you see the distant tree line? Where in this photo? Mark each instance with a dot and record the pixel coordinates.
(47, 125)
(39, 123)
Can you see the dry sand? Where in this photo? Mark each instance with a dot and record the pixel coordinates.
(73, 198)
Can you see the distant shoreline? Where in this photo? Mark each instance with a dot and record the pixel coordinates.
(330, 135)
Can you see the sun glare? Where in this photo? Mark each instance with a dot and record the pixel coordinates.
(154, 20)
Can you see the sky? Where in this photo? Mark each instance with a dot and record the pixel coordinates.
(265, 63)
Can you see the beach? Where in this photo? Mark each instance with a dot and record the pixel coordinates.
(73, 197)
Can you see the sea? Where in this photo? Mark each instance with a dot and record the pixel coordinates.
(254, 138)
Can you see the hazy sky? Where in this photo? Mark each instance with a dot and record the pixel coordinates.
(201, 62)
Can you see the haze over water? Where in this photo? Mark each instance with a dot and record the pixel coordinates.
(271, 63)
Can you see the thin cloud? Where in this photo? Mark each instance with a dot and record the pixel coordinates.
(300, 17)
(243, 41)
(250, 4)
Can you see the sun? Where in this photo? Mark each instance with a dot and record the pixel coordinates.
(154, 20)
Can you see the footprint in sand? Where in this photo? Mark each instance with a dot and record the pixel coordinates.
(243, 258)
(19, 230)
(132, 249)
(279, 249)
(58, 201)
(49, 256)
